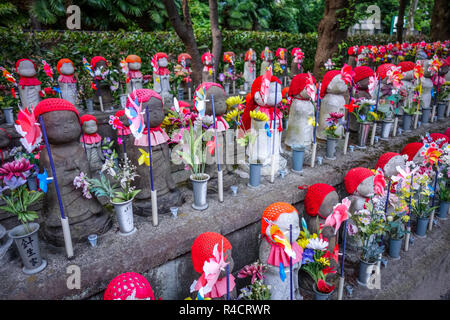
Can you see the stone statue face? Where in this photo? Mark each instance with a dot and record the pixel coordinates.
(62, 126)
(156, 112)
(390, 169)
(365, 188)
(285, 220)
(418, 159)
(303, 94)
(220, 107)
(67, 69)
(271, 99)
(134, 65)
(326, 208)
(444, 69)
(253, 57)
(408, 75)
(364, 83)
(102, 64)
(426, 72)
(163, 62)
(337, 86)
(4, 140)
(90, 127)
(26, 69)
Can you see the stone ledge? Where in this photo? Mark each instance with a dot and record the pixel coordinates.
(154, 247)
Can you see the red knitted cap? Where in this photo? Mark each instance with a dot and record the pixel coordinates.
(143, 95)
(61, 62)
(315, 196)
(383, 69)
(294, 50)
(298, 83)
(406, 66)
(88, 117)
(411, 149)
(362, 72)
(273, 211)
(53, 104)
(160, 55)
(439, 136)
(447, 132)
(207, 54)
(248, 54)
(202, 248)
(123, 286)
(326, 81)
(355, 177)
(384, 159)
(250, 103)
(120, 113)
(96, 59)
(20, 60)
(182, 56)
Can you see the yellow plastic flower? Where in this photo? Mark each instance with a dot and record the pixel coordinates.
(374, 115)
(231, 115)
(236, 100)
(311, 121)
(303, 242)
(405, 218)
(144, 158)
(166, 122)
(324, 261)
(258, 115)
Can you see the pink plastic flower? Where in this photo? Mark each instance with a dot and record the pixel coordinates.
(339, 215)
(17, 168)
(253, 270)
(322, 286)
(379, 183)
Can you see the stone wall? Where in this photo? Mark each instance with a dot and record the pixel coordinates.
(162, 253)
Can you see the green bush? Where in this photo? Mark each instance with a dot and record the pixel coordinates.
(54, 45)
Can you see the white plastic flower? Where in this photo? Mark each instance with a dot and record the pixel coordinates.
(317, 244)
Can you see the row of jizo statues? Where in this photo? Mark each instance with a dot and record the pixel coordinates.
(65, 127)
(30, 86)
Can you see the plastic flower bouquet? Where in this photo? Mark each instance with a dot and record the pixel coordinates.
(120, 190)
(257, 290)
(316, 257)
(364, 111)
(332, 123)
(368, 224)
(15, 193)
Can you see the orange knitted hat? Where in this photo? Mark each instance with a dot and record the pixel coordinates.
(133, 58)
(355, 177)
(202, 248)
(411, 149)
(61, 62)
(273, 211)
(315, 196)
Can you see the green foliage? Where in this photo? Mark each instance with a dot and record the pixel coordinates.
(102, 187)
(18, 202)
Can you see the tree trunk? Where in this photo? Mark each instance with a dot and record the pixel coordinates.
(440, 26)
(401, 17)
(185, 31)
(216, 33)
(329, 34)
(411, 13)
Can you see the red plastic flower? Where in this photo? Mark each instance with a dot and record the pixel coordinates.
(351, 106)
(93, 86)
(323, 287)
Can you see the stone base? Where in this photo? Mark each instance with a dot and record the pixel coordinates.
(173, 198)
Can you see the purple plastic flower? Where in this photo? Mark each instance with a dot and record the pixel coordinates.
(14, 182)
(308, 256)
(17, 168)
(352, 229)
(221, 77)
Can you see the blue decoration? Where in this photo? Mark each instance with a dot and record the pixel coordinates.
(43, 181)
(268, 132)
(282, 273)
